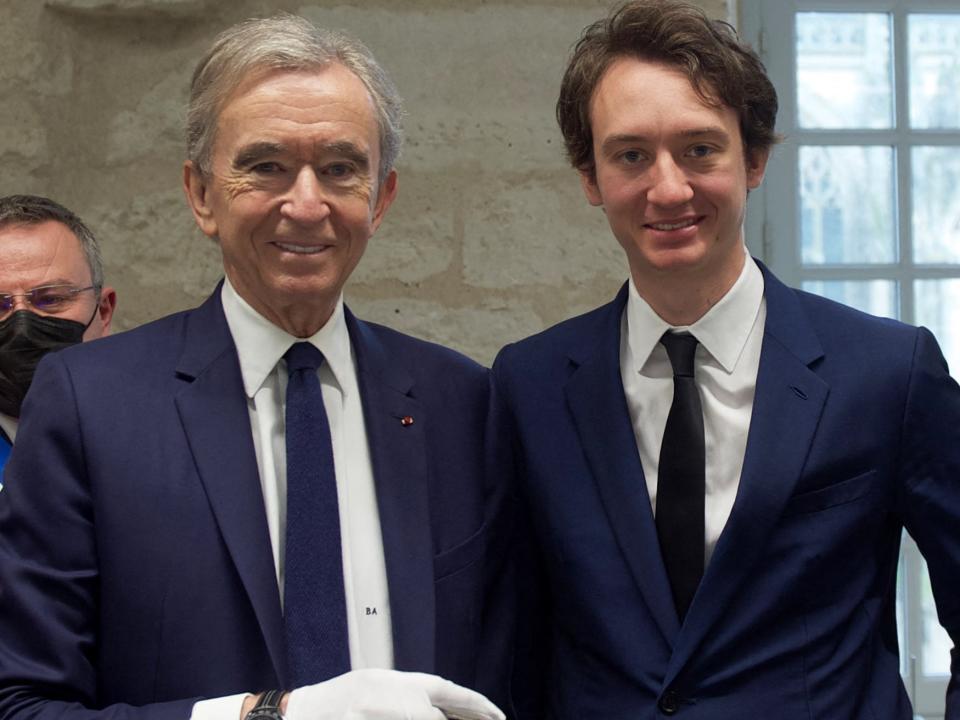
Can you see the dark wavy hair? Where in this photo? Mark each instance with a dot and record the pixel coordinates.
(722, 69)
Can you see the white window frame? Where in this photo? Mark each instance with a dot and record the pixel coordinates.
(772, 225)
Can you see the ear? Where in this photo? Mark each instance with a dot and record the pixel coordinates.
(588, 181)
(105, 308)
(756, 167)
(386, 194)
(198, 197)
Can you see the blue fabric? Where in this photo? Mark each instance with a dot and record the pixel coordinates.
(854, 437)
(148, 488)
(315, 612)
(5, 448)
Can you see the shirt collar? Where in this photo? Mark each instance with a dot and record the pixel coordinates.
(261, 344)
(722, 331)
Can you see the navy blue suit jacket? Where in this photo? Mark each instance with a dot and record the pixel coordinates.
(136, 574)
(855, 435)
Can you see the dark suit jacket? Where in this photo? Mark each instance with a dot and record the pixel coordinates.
(136, 573)
(855, 435)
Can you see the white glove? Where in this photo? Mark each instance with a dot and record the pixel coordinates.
(388, 695)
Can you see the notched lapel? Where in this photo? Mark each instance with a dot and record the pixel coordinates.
(598, 406)
(213, 409)
(398, 454)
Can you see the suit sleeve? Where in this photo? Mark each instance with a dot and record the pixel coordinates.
(531, 646)
(49, 571)
(930, 472)
(498, 623)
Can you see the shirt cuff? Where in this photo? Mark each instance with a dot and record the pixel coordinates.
(221, 708)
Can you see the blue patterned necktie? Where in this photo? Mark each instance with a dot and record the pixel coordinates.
(681, 477)
(315, 611)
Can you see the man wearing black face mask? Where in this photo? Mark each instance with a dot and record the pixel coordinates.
(51, 295)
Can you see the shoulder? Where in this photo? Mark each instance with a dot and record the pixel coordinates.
(384, 350)
(156, 342)
(109, 378)
(426, 350)
(573, 339)
(830, 313)
(159, 346)
(842, 334)
(859, 347)
(857, 332)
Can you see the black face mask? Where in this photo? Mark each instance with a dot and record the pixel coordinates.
(25, 337)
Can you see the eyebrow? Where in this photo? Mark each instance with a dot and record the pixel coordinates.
(53, 282)
(250, 154)
(57, 281)
(692, 133)
(350, 151)
(707, 131)
(257, 151)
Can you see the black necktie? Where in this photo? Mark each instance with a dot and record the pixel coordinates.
(315, 611)
(680, 477)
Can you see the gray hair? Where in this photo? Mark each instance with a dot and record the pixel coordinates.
(284, 42)
(35, 209)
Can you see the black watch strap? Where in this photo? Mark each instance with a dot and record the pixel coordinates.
(267, 707)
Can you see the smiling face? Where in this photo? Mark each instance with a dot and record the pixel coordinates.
(671, 175)
(291, 192)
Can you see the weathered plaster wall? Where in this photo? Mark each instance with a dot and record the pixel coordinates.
(490, 238)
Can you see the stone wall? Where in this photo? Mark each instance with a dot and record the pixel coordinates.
(490, 238)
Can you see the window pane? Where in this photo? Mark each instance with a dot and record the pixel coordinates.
(937, 302)
(934, 71)
(847, 205)
(936, 204)
(843, 70)
(936, 642)
(877, 297)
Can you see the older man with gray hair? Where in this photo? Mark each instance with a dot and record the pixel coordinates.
(264, 493)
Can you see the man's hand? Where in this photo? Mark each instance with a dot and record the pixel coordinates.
(387, 695)
(248, 704)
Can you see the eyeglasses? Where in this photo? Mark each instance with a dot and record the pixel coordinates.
(46, 299)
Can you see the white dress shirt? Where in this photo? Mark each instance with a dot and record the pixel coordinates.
(260, 347)
(9, 425)
(725, 368)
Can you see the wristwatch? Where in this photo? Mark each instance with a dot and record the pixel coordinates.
(267, 707)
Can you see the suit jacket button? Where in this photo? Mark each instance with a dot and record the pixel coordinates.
(669, 702)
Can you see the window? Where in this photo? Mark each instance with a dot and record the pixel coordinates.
(862, 202)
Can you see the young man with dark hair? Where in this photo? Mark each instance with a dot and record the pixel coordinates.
(718, 468)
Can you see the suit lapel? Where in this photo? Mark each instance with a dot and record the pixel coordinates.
(599, 410)
(787, 406)
(213, 409)
(398, 455)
